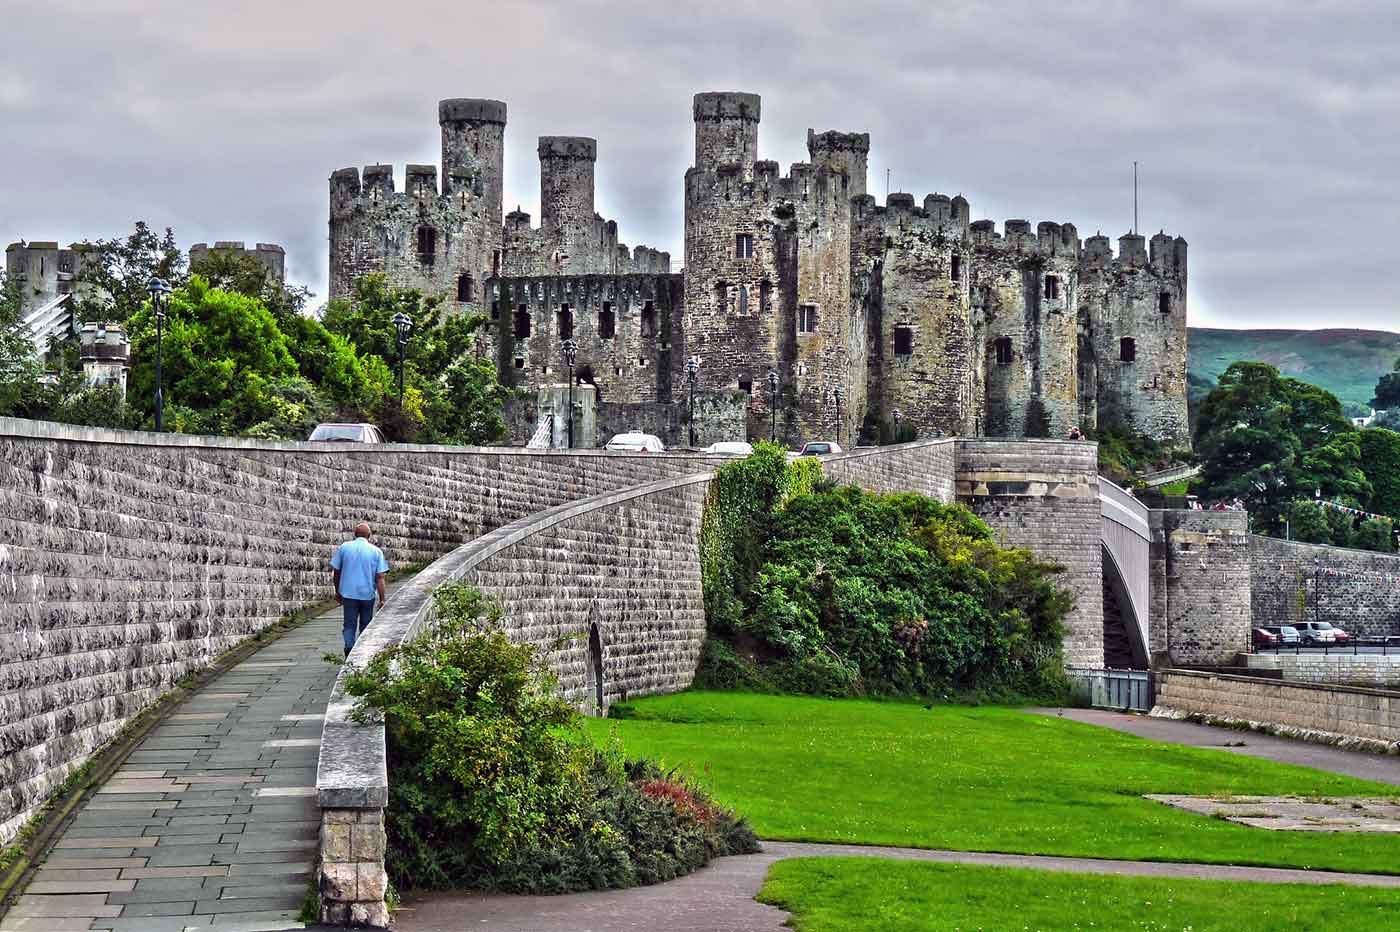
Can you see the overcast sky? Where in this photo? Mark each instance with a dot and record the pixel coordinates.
(1266, 132)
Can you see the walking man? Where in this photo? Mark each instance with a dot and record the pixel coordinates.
(357, 570)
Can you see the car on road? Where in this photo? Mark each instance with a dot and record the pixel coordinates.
(819, 448)
(1342, 636)
(634, 441)
(1287, 634)
(347, 433)
(1263, 637)
(729, 448)
(1316, 633)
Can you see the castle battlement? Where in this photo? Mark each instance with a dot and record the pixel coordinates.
(1049, 239)
(1167, 254)
(761, 183)
(941, 216)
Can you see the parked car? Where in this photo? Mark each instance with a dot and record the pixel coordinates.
(730, 448)
(634, 441)
(1342, 636)
(819, 448)
(1316, 633)
(347, 433)
(1287, 634)
(1263, 637)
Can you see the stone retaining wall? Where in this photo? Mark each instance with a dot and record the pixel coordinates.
(1364, 718)
(1357, 590)
(1372, 670)
(1200, 583)
(131, 559)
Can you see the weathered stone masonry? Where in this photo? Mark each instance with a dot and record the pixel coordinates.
(1356, 590)
(129, 560)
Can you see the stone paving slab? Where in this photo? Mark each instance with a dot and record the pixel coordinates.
(211, 823)
(1293, 813)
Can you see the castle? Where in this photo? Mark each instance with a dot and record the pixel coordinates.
(900, 319)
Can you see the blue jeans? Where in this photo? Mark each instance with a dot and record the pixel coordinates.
(358, 614)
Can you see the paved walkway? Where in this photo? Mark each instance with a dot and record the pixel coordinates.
(720, 898)
(212, 821)
(1382, 768)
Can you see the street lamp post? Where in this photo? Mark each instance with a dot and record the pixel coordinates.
(569, 349)
(773, 380)
(160, 295)
(840, 396)
(692, 373)
(403, 324)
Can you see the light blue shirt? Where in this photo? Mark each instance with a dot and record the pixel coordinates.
(359, 563)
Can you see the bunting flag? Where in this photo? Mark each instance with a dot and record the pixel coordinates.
(1353, 511)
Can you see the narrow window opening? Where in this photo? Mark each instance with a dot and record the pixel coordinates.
(496, 310)
(1127, 349)
(465, 288)
(648, 321)
(519, 362)
(743, 299)
(1052, 288)
(765, 296)
(1004, 356)
(1164, 302)
(495, 262)
(607, 322)
(903, 341)
(746, 386)
(722, 297)
(522, 323)
(427, 245)
(566, 322)
(807, 318)
(743, 246)
(955, 269)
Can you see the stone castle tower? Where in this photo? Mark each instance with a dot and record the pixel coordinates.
(873, 316)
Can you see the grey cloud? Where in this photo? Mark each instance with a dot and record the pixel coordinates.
(1266, 131)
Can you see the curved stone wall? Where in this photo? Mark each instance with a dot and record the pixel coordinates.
(130, 559)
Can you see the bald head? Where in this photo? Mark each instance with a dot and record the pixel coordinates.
(362, 529)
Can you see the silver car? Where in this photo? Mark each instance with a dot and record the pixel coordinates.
(347, 433)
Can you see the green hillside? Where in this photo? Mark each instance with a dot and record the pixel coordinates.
(1345, 362)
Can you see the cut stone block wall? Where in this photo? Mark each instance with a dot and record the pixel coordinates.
(1044, 495)
(1378, 670)
(1330, 714)
(1356, 590)
(129, 560)
(1200, 585)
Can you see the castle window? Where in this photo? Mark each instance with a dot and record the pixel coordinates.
(519, 362)
(743, 299)
(607, 322)
(722, 297)
(743, 246)
(566, 322)
(495, 262)
(496, 310)
(765, 297)
(806, 318)
(464, 288)
(746, 386)
(65, 263)
(955, 269)
(1052, 288)
(522, 323)
(1004, 355)
(1164, 302)
(427, 245)
(903, 341)
(1127, 349)
(648, 320)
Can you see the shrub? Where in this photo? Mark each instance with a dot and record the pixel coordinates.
(493, 783)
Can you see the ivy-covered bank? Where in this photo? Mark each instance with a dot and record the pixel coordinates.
(816, 588)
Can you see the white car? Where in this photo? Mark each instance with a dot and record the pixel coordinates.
(819, 448)
(730, 448)
(347, 433)
(635, 441)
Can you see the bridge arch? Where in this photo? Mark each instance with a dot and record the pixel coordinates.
(1126, 539)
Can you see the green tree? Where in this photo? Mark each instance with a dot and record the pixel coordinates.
(1308, 523)
(1388, 389)
(1375, 534)
(19, 366)
(114, 275)
(1380, 456)
(1268, 440)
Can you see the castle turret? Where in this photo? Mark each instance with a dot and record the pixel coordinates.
(473, 145)
(566, 194)
(846, 152)
(726, 129)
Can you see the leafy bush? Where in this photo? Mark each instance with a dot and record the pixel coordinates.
(493, 783)
(839, 591)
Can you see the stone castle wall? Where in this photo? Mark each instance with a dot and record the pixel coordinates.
(1356, 590)
(131, 559)
(1381, 671)
(1200, 565)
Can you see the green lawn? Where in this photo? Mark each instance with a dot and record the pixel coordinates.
(979, 779)
(875, 895)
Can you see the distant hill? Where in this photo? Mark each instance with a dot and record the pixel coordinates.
(1345, 362)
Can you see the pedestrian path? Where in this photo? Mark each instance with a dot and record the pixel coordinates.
(212, 822)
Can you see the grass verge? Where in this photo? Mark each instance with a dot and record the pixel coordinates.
(980, 779)
(878, 895)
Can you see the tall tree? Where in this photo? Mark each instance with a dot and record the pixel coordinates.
(115, 274)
